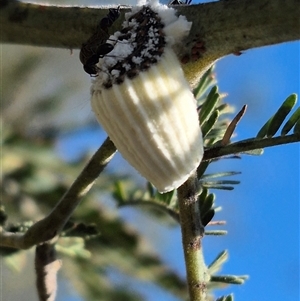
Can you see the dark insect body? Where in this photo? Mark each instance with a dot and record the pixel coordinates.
(112, 16)
(96, 47)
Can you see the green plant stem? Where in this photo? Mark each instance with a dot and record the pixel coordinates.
(50, 227)
(192, 232)
(248, 145)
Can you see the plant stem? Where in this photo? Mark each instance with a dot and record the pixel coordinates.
(51, 226)
(248, 145)
(222, 27)
(192, 232)
(46, 267)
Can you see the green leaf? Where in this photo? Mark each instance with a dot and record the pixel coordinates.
(223, 182)
(119, 192)
(207, 216)
(215, 135)
(254, 152)
(291, 122)
(166, 197)
(151, 190)
(216, 232)
(225, 298)
(207, 204)
(209, 124)
(220, 187)
(203, 195)
(205, 81)
(223, 107)
(202, 168)
(220, 184)
(297, 127)
(230, 279)
(216, 265)
(72, 247)
(263, 131)
(209, 105)
(220, 174)
(281, 114)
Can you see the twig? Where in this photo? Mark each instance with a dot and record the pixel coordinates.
(248, 145)
(50, 227)
(51, 26)
(192, 232)
(46, 266)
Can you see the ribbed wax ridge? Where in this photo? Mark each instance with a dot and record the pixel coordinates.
(153, 121)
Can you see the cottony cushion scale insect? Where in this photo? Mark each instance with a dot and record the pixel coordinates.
(143, 101)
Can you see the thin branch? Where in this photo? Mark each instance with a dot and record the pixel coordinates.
(51, 26)
(50, 227)
(192, 232)
(248, 145)
(46, 267)
(219, 28)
